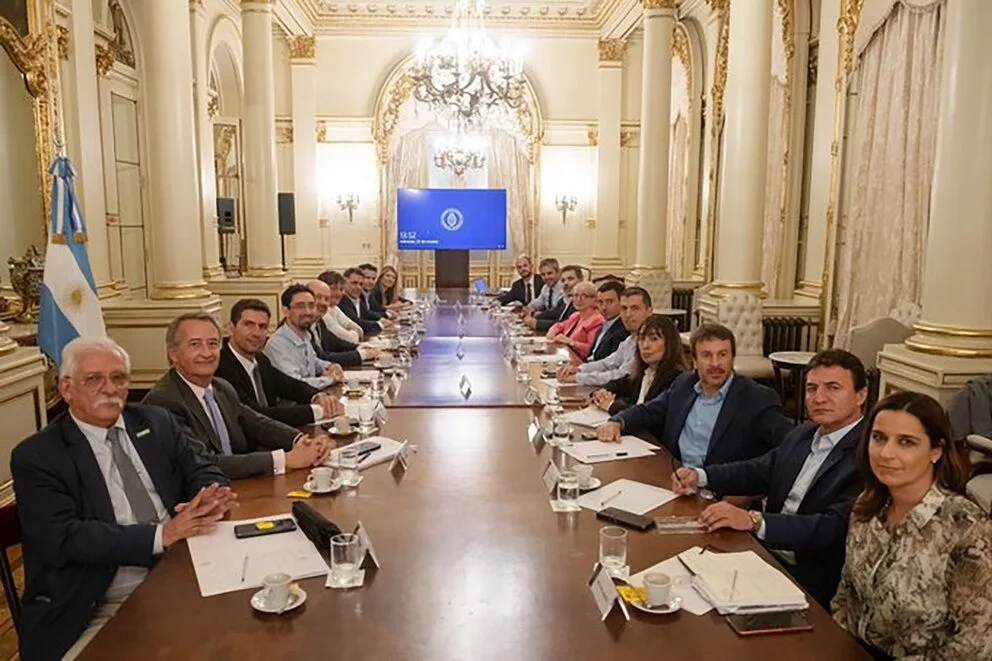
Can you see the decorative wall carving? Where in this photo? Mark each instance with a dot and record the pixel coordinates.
(321, 131)
(302, 47)
(592, 137)
(123, 47)
(680, 48)
(284, 134)
(847, 26)
(63, 42)
(105, 59)
(660, 4)
(611, 50)
(722, 10)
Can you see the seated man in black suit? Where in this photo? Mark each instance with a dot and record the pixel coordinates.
(542, 322)
(375, 309)
(709, 416)
(244, 443)
(102, 491)
(260, 385)
(329, 346)
(527, 287)
(613, 332)
(810, 480)
(353, 304)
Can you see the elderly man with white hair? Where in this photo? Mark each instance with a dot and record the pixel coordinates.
(102, 492)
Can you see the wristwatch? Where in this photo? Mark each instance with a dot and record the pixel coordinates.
(756, 519)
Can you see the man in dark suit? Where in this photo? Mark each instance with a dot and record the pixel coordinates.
(710, 416)
(329, 346)
(353, 304)
(527, 287)
(613, 332)
(244, 443)
(542, 322)
(810, 480)
(102, 491)
(261, 386)
(369, 275)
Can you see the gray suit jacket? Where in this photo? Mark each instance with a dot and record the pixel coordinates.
(253, 435)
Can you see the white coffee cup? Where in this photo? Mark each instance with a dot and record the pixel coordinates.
(277, 587)
(584, 471)
(352, 384)
(343, 425)
(321, 478)
(658, 587)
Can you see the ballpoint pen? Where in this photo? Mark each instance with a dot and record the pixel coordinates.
(607, 454)
(733, 586)
(244, 568)
(611, 498)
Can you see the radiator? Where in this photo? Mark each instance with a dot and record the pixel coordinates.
(682, 299)
(788, 334)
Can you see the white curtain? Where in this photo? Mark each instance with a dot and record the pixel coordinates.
(891, 151)
(407, 168)
(771, 255)
(510, 169)
(677, 171)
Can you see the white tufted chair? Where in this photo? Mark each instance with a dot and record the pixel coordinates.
(868, 339)
(741, 313)
(906, 313)
(697, 296)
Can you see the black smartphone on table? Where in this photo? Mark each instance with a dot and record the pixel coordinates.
(260, 528)
(752, 624)
(625, 518)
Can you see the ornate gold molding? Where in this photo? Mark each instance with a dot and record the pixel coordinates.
(302, 47)
(680, 49)
(721, 8)
(105, 59)
(63, 42)
(951, 352)
(951, 331)
(847, 26)
(611, 50)
(660, 4)
(592, 137)
(626, 138)
(284, 134)
(213, 104)
(321, 131)
(785, 8)
(223, 144)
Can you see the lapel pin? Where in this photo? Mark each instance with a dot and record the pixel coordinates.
(143, 432)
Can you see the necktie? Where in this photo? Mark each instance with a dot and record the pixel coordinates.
(528, 295)
(566, 312)
(217, 421)
(134, 489)
(256, 377)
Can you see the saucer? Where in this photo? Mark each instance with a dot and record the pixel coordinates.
(297, 596)
(593, 483)
(334, 431)
(335, 485)
(674, 605)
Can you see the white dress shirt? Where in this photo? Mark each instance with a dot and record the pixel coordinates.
(646, 381)
(616, 365)
(278, 456)
(127, 578)
(338, 323)
(250, 365)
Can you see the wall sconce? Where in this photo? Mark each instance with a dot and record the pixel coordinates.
(565, 203)
(350, 204)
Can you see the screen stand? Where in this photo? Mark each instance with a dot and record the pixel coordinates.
(451, 269)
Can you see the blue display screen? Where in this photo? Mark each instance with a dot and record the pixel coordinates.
(451, 219)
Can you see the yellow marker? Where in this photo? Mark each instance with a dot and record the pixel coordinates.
(298, 494)
(264, 525)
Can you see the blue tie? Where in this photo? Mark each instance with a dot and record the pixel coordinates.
(217, 420)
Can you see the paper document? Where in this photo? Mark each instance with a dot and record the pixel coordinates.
(741, 581)
(383, 454)
(219, 559)
(590, 416)
(626, 495)
(362, 376)
(692, 601)
(595, 452)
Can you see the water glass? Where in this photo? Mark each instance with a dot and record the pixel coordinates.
(366, 415)
(344, 559)
(523, 376)
(348, 468)
(613, 549)
(377, 389)
(561, 432)
(568, 491)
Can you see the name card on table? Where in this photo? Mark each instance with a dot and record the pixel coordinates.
(368, 551)
(401, 461)
(550, 476)
(465, 386)
(604, 592)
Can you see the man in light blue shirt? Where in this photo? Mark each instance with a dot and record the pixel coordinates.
(553, 291)
(810, 480)
(290, 348)
(635, 307)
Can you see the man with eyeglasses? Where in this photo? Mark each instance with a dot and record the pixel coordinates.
(291, 349)
(102, 492)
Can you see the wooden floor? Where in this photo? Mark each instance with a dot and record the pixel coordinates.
(8, 637)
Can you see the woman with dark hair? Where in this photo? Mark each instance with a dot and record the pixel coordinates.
(658, 360)
(386, 290)
(917, 577)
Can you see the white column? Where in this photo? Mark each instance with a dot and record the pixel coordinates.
(652, 173)
(204, 142)
(607, 258)
(957, 315)
(173, 193)
(259, 140)
(86, 149)
(742, 182)
(308, 260)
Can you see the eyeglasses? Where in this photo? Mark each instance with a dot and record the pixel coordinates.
(94, 382)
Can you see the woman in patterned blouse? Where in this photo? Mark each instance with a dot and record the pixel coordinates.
(917, 580)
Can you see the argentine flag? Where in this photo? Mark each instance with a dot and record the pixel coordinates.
(69, 304)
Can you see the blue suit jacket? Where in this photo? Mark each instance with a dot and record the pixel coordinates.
(817, 532)
(359, 316)
(750, 421)
(71, 540)
(616, 334)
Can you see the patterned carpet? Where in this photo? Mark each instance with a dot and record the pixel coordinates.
(8, 637)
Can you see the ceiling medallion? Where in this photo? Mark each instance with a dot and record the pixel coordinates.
(465, 78)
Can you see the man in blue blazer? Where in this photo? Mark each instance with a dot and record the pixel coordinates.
(711, 415)
(612, 333)
(809, 481)
(101, 492)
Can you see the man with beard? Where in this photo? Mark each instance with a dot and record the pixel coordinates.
(711, 415)
(290, 348)
(527, 287)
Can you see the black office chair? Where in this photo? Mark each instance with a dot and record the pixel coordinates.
(10, 535)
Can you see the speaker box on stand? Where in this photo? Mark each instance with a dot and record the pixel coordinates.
(287, 221)
(226, 225)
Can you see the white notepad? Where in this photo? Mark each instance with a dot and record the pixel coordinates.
(383, 454)
(758, 585)
(590, 416)
(595, 452)
(626, 495)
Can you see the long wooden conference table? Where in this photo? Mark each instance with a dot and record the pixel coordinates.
(475, 564)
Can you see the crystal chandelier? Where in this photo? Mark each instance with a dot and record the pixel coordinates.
(460, 155)
(465, 78)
